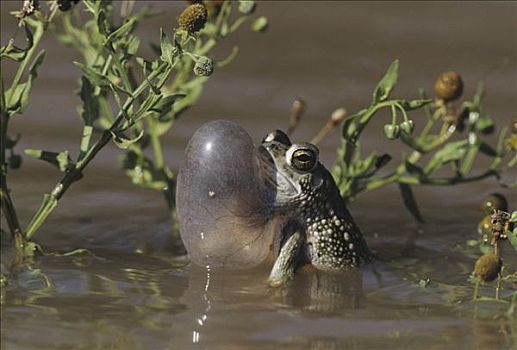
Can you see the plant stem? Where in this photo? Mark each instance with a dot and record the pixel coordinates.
(156, 144)
(7, 203)
(40, 28)
(50, 202)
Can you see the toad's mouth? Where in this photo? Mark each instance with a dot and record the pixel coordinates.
(268, 169)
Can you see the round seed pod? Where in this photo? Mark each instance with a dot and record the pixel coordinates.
(448, 86)
(495, 201)
(193, 18)
(204, 67)
(407, 126)
(487, 267)
(392, 132)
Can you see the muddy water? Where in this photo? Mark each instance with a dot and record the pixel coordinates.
(132, 293)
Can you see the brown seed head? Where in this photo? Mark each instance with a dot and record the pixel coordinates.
(193, 18)
(29, 7)
(448, 86)
(487, 267)
(495, 201)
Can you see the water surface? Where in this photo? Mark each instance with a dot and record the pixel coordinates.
(131, 292)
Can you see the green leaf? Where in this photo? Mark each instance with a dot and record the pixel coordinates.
(410, 202)
(165, 105)
(92, 5)
(192, 92)
(15, 53)
(450, 152)
(122, 31)
(413, 169)
(96, 78)
(487, 149)
(478, 96)
(414, 104)
(382, 161)
(90, 108)
(132, 45)
(426, 140)
(60, 160)
(513, 217)
(359, 168)
(122, 141)
(85, 139)
(512, 237)
(47, 206)
(485, 124)
(168, 51)
(19, 98)
(385, 86)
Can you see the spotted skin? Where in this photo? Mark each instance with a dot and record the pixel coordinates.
(310, 203)
(334, 241)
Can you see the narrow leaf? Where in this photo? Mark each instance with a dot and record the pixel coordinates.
(123, 30)
(85, 139)
(385, 86)
(60, 160)
(123, 141)
(450, 152)
(410, 202)
(93, 76)
(414, 104)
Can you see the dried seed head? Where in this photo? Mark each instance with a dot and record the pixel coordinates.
(65, 5)
(448, 86)
(193, 18)
(487, 267)
(28, 8)
(495, 201)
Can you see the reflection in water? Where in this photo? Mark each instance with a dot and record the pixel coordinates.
(491, 334)
(324, 291)
(135, 301)
(208, 305)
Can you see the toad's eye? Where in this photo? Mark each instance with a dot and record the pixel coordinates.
(278, 136)
(303, 157)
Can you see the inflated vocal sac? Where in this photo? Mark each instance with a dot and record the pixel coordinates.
(223, 206)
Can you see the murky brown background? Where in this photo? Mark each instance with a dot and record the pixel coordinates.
(332, 54)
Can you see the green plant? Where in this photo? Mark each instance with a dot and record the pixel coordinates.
(451, 138)
(149, 94)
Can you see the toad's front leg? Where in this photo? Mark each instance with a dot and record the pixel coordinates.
(287, 259)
